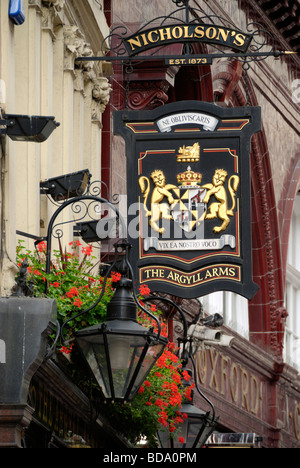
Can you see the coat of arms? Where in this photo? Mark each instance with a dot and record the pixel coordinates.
(189, 203)
(188, 173)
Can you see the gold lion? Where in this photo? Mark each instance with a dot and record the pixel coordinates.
(158, 210)
(220, 208)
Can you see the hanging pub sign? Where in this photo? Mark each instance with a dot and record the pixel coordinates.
(188, 189)
(161, 36)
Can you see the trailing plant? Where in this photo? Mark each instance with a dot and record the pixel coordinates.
(72, 282)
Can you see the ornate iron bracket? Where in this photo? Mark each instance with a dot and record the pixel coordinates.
(254, 44)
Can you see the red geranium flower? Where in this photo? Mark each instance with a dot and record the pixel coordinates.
(87, 250)
(115, 276)
(77, 302)
(144, 290)
(72, 292)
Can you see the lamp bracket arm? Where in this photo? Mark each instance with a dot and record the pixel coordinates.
(139, 304)
(53, 347)
(178, 309)
(199, 391)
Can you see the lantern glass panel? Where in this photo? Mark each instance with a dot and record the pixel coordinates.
(185, 436)
(191, 433)
(120, 362)
(94, 351)
(153, 353)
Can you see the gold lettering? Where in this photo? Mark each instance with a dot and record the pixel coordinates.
(211, 33)
(134, 43)
(231, 271)
(234, 383)
(199, 279)
(224, 272)
(202, 365)
(155, 273)
(176, 277)
(148, 273)
(254, 386)
(183, 279)
(215, 272)
(199, 32)
(245, 389)
(214, 361)
(165, 34)
(208, 274)
(224, 362)
(239, 40)
(170, 276)
(189, 279)
(177, 32)
(143, 36)
(186, 32)
(224, 34)
(150, 36)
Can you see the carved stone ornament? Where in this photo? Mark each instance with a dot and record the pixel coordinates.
(34, 3)
(101, 93)
(75, 46)
(57, 4)
(52, 15)
(147, 94)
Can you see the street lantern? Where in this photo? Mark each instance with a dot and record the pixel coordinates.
(194, 431)
(120, 352)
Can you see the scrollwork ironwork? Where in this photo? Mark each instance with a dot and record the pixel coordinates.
(114, 43)
(89, 207)
(180, 3)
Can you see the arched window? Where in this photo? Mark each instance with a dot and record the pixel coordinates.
(292, 295)
(232, 307)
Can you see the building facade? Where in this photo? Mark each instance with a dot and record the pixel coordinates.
(39, 77)
(254, 385)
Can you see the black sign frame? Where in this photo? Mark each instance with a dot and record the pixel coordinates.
(200, 150)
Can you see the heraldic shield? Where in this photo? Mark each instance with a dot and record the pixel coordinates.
(188, 175)
(188, 209)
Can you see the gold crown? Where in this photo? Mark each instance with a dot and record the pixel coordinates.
(189, 177)
(189, 153)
